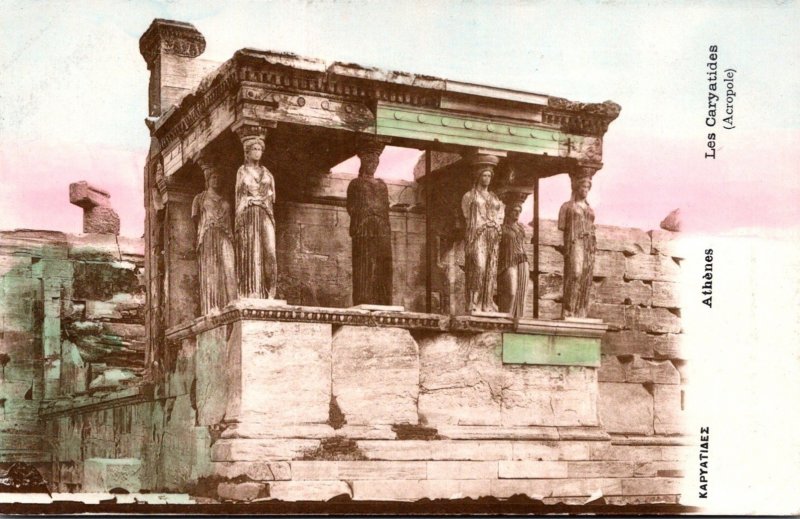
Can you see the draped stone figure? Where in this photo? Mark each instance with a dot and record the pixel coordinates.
(215, 256)
(576, 220)
(256, 265)
(512, 264)
(368, 207)
(483, 212)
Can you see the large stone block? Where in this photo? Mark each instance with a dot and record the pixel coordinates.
(244, 491)
(532, 469)
(409, 490)
(622, 239)
(242, 449)
(616, 290)
(613, 315)
(625, 408)
(666, 294)
(211, 382)
(103, 475)
(411, 450)
(609, 264)
(668, 410)
(354, 470)
(668, 243)
(255, 470)
(461, 379)
(462, 469)
(627, 342)
(651, 267)
(668, 346)
(279, 373)
(375, 375)
(656, 320)
(308, 490)
(539, 488)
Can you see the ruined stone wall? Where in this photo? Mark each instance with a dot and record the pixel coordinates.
(636, 293)
(72, 322)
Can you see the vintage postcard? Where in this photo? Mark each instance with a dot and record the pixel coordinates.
(360, 257)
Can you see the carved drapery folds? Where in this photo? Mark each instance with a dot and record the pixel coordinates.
(215, 254)
(512, 269)
(371, 233)
(254, 237)
(576, 220)
(483, 212)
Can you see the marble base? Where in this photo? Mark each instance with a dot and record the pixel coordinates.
(379, 308)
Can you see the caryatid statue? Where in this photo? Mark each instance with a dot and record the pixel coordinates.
(512, 269)
(368, 207)
(483, 213)
(576, 220)
(256, 264)
(215, 257)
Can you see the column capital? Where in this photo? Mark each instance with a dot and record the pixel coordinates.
(248, 130)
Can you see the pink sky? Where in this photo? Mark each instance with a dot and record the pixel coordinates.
(642, 181)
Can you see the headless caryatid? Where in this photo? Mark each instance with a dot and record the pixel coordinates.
(368, 207)
(512, 264)
(215, 256)
(576, 220)
(256, 264)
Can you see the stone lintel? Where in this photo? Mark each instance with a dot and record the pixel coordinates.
(87, 196)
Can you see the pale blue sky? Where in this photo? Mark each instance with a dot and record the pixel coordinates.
(74, 84)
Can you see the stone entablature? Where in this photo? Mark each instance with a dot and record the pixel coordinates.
(266, 310)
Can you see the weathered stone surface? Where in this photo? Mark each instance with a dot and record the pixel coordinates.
(255, 470)
(375, 375)
(667, 469)
(408, 490)
(462, 469)
(461, 379)
(550, 260)
(245, 491)
(600, 469)
(642, 500)
(553, 450)
(653, 267)
(550, 286)
(480, 432)
(616, 290)
(627, 342)
(532, 469)
(666, 294)
(622, 239)
(548, 395)
(613, 315)
(668, 346)
(611, 369)
(651, 486)
(354, 470)
(279, 372)
(668, 413)
(309, 490)
(609, 264)
(657, 320)
(625, 408)
(667, 243)
(102, 475)
(411, 450)
(641, 453)
(211, 383)
(638, 371)
(549, 233)
(539, 488)
(243, 449)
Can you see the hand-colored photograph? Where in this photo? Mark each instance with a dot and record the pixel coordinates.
(364, 257)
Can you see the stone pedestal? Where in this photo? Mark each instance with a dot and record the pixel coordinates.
(278, 373)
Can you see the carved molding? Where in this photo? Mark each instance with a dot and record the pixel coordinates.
(171, 37)
(409, 320)
(581, 118)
